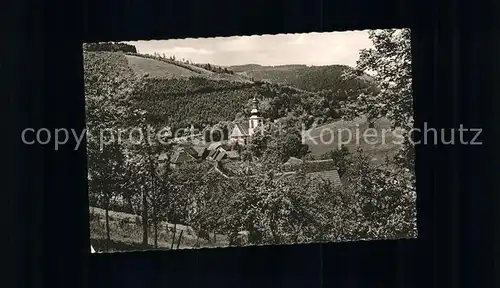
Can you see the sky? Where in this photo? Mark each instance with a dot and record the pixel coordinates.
(309, 49)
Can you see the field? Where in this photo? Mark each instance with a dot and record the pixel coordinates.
(126, 234)
(155, 68)
(168, 69)
(383, 147)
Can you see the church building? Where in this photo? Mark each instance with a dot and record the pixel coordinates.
(243, 131)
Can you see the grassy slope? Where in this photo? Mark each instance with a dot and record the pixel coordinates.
(167, 69)
(157, 69)
(378, 147)
(127, 235)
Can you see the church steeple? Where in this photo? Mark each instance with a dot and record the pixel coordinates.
(255, 106)
(254, 120)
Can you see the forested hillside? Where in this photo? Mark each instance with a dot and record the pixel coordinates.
(179, 94)
(309, 78)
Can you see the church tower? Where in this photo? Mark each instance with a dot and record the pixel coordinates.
(255, 120)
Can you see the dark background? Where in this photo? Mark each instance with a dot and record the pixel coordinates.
(454, 82)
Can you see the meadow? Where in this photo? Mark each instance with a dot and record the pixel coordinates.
(126, 234)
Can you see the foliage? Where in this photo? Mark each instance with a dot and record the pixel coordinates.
(214, 68)
(273, 211)
(110, 47)
(384, 199)
(105, 86)
(106, 174)
(390, 62)
(340, 157)
(276, 142)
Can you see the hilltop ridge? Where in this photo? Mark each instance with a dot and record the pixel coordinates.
(309, 78)
(179, 94)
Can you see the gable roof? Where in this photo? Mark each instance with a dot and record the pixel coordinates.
(242, 127)
(329, 175)
(191, 151)
(181, 156)
(201, 150)
(233, 154)
(220, 155)
(294, 161)
(214, 145)
(212, 153)
(163, 157)
(319, 165)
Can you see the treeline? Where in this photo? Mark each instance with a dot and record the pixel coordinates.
(171, 60)
(314, 78)
(186, 63)
(110, 47)
(214, 68)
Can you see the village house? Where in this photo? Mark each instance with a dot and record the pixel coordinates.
(181, 156)
(314, 169)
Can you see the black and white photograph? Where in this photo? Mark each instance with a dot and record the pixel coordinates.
(250, 140)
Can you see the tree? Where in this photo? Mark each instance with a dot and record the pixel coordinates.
(105, 176)
(385, 195)
(160, 193)
(105, 88)
(385, 200)
(149, 174)
(196, 203)
(140, 185)
(341, 158)
(277, 142)
(109, 46)
(389, 61)
(275, 210)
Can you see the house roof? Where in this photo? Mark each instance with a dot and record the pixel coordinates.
(212, 153)
(243, 127)
(233, 154)
(319, 165)
(181, 156)
(214, 145)
(294, 161)
(328, 175)
(191, 151)
(163, 157)
(220, 155)
(200, 150)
